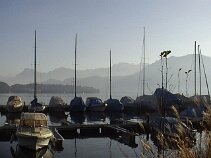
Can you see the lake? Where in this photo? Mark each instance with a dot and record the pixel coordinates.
(80, 147)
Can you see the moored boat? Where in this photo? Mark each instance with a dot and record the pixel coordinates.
(33, 133)
(35, 106)
(56, 104)
(95, 104)
(77, 103)
(20, 152)
(14, 104)
(113, 104)
(129, 104)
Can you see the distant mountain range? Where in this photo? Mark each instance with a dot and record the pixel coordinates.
(59, 75)
(125, 77)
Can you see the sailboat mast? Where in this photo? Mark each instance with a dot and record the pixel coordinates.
(205, 74)
(110, 73)
(35, 68)
(75, 60)
(199, 69)
(144, 64)
(195, 69)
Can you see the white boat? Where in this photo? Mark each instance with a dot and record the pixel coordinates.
(33, 133)
(14, 104)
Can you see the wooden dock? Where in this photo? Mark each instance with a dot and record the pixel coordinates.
(124, 132)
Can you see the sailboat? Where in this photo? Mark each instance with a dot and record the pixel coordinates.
(113, 104)
(35, 106)
(143, 101)
(95, 104)
(77, 103)
(129, 103)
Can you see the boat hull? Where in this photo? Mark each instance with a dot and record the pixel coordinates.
(57, 108)
(38, 108)
(97, 108)
(14, 109)
(77, 105)
(114, 105)
(33, 143)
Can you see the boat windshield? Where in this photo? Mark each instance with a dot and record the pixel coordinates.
(33, 123)
(33, 119)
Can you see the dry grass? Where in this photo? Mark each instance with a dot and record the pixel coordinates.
(202, 148)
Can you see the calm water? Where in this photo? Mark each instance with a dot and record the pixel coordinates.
(87, 147)
(78, 147)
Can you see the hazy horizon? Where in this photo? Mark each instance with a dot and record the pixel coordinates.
(84, 69)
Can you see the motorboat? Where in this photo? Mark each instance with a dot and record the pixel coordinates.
(14, 104)
(20, 152)
(95, 104)
(33, 132)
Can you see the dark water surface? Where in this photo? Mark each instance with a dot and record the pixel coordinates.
(78, 147)
(81, 147)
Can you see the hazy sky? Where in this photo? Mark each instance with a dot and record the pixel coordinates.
(101, 25)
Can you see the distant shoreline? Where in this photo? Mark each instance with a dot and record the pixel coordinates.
(45, 88)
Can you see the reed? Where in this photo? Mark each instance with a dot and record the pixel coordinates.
(179, 145)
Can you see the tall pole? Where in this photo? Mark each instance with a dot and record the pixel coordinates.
(35, 67)
(110, 73)
(186, 84)
(166, 73)
(161, 104)
(179, 80)
(195, 69)
(144, 64)
(199, 70)
(187, 73)
(205, 74)
(75, 60)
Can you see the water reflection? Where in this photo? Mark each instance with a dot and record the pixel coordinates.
(77, 117)
(82, 139)
(115, 117)
(95, 117)
(57, 117)
(13, 118)
(21, 152)
(102, 117)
